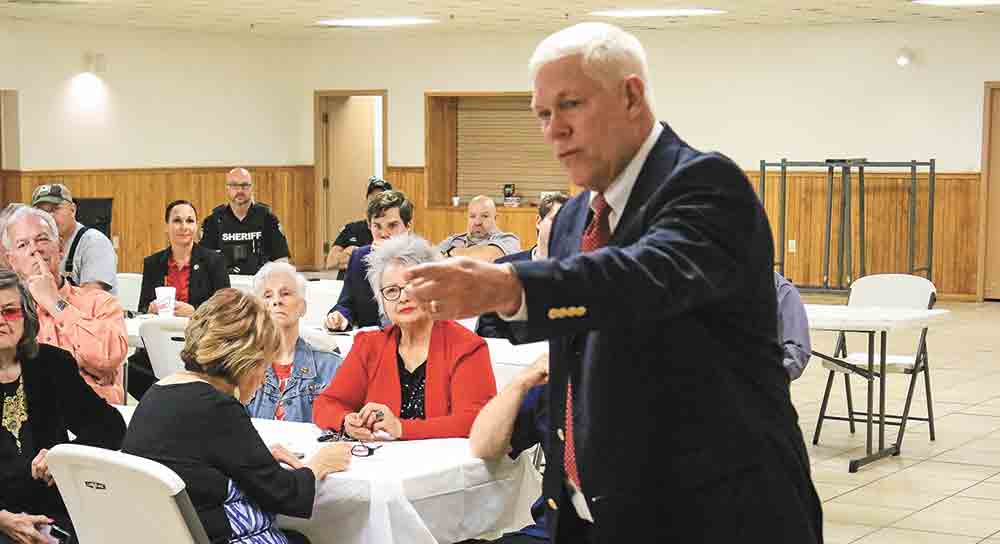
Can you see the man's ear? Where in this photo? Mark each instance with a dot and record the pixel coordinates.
(635, 94)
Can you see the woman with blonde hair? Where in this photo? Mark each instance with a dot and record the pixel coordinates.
(194, 422)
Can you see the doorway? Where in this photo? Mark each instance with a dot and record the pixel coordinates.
(989, 223)
(350, 147)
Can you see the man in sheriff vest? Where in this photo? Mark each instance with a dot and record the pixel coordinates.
(246, 232)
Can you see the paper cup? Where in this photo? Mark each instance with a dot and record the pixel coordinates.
(166, 297)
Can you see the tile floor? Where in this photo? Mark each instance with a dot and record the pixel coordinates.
(941, 492)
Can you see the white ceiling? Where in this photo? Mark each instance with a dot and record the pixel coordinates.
(296, 18)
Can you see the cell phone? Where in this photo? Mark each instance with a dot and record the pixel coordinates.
(60, 534)
(329, 435)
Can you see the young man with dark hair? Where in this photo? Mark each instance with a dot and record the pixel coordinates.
(355, 234)
(390, 213)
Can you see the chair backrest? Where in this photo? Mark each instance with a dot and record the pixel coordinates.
(117, 498)
(163, 338)
(129, 287)
(321, 296)
(242, 282)
(893, 291)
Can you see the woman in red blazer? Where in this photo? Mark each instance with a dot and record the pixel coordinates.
(417, 378)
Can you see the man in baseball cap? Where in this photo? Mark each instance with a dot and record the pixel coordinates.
(89, 258)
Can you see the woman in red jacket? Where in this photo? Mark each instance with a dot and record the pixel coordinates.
(417, 378)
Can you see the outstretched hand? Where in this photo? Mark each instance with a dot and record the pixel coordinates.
(460, 287)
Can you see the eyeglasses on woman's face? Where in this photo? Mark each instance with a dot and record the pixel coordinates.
(392, 292)
(11, 313)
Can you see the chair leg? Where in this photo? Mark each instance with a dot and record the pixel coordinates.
(125, 381)
(850, 401)
(906, 411)
(822, 408)
(930, 402)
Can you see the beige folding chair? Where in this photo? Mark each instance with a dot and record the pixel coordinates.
(885, 291)
(116, 498)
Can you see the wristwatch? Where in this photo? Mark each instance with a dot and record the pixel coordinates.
(61, 304)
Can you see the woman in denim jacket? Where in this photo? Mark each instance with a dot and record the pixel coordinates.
(301, 371)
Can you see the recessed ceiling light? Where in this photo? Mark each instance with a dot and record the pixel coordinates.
(958, 3)
(667, 12)
(376, 21)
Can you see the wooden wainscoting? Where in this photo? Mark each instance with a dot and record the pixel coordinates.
(8, 178)
(141, 195)
(886, 211)
(886, 226)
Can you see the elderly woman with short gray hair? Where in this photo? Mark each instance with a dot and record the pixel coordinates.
(42, 399)
(300, 371)
(417, 378)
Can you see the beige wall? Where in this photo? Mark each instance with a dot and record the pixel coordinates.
(177, 98)
(168, 99)
(806, 94)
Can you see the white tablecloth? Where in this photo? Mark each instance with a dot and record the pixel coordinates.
(424, 491)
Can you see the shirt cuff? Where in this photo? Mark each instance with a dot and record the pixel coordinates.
(522, 311)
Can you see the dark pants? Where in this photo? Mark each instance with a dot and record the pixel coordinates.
(295, 537)
(140, 374)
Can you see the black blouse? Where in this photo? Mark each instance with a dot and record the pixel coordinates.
(412, 389)
(58, 401)
(207, 439)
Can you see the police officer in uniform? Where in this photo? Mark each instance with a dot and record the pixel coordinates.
(247, 233)
(356, 234)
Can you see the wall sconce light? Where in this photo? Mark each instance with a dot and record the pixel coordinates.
(904, 57)
(95, 63)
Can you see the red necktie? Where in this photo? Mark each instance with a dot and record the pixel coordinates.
(595, 237)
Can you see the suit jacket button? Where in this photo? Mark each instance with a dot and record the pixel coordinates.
(561, 435)
(552, 504)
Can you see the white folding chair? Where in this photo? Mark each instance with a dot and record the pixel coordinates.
(885, 291)
(129, 287)
(242, 282)
(320, 297)
(116, 498)
(163, 338)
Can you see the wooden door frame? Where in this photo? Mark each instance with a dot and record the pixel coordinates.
(319, 158)
(984, 183)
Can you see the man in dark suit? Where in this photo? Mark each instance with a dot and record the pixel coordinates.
(389, 213)
(659, 304)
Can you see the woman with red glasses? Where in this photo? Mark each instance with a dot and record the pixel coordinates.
(42, 397)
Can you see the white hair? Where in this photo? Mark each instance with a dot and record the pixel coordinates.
(405, 249)
(28, 211)
(276, 267)
(607, 53)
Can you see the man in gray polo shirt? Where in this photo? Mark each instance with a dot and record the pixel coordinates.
(483, 240)
(89, 258)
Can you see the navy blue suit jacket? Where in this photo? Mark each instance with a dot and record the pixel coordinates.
(684, 428)
(357, 300)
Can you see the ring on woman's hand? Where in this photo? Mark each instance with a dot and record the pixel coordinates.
(434, 306)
